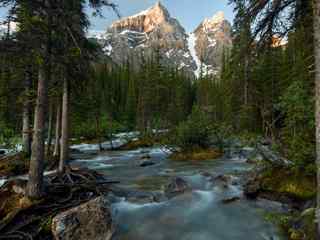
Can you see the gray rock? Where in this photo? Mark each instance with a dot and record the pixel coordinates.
(177, 186)
(146, 163)
(213, 37)
(252, 188)
(147, 156)
(272, 157)
(225, 180)
(144, 151)
(91, 220)
(230, 199)
(272, 206)
(142, 198)
(206, 174)
(141, 34)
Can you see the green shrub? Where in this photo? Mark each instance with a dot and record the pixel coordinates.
(193, 133)
(298, 132)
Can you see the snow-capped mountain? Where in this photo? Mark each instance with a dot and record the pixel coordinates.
(155, 30)
(211, 37)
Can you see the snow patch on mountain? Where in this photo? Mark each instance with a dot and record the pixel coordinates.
(192, 49)
(108, 49)
(140, 35)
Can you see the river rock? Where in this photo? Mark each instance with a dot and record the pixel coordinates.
(272, 206)
(206, 174)
(146, 163)
(147, 156)
(225, 180)
(252, 188)
(141, 197)
(177, 186)
(230, 199)
(91, 220)
(144, 151)
(272, 157)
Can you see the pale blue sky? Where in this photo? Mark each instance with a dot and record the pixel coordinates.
(189, 12)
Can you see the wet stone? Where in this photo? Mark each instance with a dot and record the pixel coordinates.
(146, 163)
(230, 200)
(91, 220)
(177, 186)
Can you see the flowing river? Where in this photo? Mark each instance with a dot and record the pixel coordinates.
(199, 214)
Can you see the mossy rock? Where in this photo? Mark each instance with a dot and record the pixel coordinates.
(300, 226)
(295, 185)
(196, 155)
(308, 224)
(296, 225)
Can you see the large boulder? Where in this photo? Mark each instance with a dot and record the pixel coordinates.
(177, 186)
(91, 220)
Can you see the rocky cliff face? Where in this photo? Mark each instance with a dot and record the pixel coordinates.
(212, 37)
(155, 30)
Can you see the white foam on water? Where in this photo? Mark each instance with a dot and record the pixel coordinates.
(101, 166)
(206, 197)
(92, 160)
(128, 206)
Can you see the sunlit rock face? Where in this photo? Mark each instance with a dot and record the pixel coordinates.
(212, 37)
(154, 32)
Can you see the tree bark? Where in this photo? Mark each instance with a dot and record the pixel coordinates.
(98, 132)
(34, 187)
(56, 151)
(35, 183)
(317, 86)
(26, 115)
(64, 153)
(49, 137)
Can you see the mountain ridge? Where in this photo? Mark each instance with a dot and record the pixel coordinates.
(154, 28)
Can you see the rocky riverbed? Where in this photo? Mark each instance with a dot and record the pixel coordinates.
(158, 198)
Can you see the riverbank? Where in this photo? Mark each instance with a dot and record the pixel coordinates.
(275, 179)
(160, 194)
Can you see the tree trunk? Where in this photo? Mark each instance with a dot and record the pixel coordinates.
(317, 86)
(56, 151)
(111, 132)
(35, 183)
(64, 153)
(49, 137)
(246, 80)
(98, 132)
(26, 122)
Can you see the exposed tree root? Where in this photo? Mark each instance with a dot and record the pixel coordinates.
(64, 191)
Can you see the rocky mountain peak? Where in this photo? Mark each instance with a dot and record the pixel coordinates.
(218, 18)
(216, 23)
(140, 35)
(212, 37)
(145, 21)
